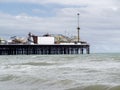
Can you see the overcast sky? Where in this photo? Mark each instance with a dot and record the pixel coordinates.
(99, 20)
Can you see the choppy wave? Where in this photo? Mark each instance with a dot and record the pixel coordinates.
(96, 87)
(64, 72)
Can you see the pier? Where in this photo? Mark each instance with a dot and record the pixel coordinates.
(47, 44)
(43, 49)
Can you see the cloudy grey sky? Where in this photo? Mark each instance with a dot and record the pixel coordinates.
(99, 20)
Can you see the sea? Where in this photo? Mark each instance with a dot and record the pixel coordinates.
(60, 72)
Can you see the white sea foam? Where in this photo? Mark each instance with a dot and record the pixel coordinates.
(64, 72)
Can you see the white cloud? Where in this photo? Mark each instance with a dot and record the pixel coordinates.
(99, 21)
(102, 3)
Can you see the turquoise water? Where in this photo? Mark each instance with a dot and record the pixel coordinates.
(60, 72)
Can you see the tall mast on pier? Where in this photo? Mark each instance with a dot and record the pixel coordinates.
(78, 28)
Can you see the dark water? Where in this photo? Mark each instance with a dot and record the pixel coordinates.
(60, 72)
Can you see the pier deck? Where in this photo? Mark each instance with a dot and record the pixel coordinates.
(43, 49)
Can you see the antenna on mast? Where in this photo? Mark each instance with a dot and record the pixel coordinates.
(78, 28)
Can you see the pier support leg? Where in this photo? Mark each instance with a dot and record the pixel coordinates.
(81, 51)
(88, 50)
